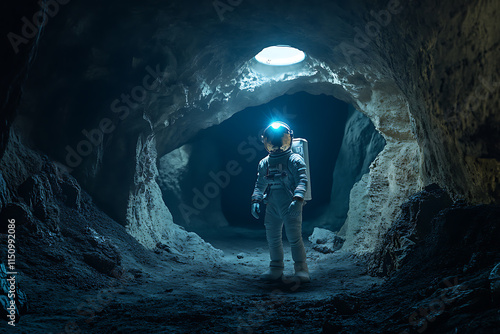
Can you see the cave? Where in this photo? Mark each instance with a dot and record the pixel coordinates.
(343, 145)
(131, 134)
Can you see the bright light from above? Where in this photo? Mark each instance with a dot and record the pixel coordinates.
(280, 55)
(275, 125)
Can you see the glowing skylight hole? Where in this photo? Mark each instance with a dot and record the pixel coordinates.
(280, 55)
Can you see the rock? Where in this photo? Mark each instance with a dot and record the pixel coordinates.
(105, 256)
(4, 192)
(450, 240)
(71, 192)
(103, 245)
(477, 300)
(18, 211)
(35, 191)
(325, 241)
(101, 263)
(44, 211)
(494, 278)
(149, 220)
(46, 225)
(240, 256)
(360, 145)
(413, 224)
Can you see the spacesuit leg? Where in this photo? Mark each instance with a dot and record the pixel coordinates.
(274, 227)
(293, 228)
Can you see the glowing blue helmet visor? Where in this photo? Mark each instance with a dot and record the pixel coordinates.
(277, 137)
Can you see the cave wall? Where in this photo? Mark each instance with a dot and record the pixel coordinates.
(451, 80)
(15, 64)
(150, 221)
(394, 174)
(360, 146)
(426, 77)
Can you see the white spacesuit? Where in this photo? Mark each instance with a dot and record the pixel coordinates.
(282, 184)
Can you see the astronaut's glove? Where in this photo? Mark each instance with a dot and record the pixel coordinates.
(255, 210)
(295, 207)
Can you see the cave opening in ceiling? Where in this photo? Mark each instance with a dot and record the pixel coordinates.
(207, 183)
(280, 55)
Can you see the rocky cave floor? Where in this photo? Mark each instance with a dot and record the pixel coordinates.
(87, 275)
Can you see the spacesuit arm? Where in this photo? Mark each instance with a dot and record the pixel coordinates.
(300, 175)
(261, 183)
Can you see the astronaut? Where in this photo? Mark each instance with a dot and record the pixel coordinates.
(281, 184)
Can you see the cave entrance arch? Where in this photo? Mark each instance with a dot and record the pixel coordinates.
(329, 124)
(374, 201)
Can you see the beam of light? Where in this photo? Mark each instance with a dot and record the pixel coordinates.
(280, 55)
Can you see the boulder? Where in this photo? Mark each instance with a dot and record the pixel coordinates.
(325, 241)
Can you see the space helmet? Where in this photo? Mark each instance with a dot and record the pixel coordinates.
(277, 138)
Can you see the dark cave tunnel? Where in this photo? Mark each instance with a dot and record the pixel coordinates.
(116, 115)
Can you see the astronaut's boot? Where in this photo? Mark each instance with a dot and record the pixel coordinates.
(274, 273)
(302, 272)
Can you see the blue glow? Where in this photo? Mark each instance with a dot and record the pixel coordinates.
(275, 125)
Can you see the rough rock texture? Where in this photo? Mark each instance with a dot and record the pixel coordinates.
(469, 233)
(360, 145)
(444, 279)
(494, 278)
(325, 241)
(392, 179)
(456, 101)
(411, 226)
(148, 218)
(4, 192)
(431, 226)
(63, 231)
(63, 236)
(426, 74)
